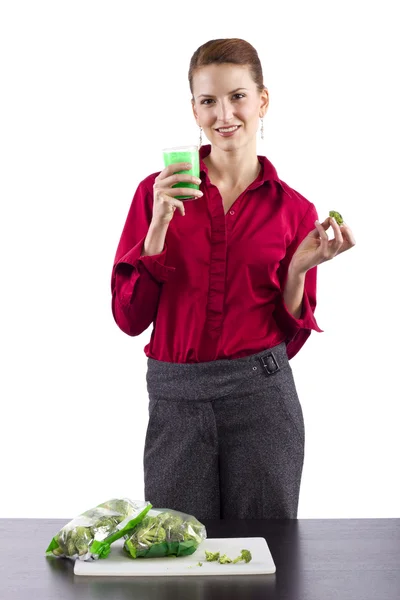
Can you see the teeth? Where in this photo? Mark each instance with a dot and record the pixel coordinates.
(228, 130)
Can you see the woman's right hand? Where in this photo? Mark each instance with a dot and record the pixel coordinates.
(164, 203)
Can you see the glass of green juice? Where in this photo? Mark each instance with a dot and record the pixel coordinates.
(186, 154)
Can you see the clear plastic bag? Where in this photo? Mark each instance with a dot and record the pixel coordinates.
(90, 535)
(165, 532)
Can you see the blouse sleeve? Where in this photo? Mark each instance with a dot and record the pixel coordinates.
(136, 280)
(298, 330)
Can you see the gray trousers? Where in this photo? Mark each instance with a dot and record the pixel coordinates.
(225, 439)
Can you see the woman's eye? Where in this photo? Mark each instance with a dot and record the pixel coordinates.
(207, 100)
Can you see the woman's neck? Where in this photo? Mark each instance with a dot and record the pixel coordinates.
(232, 169)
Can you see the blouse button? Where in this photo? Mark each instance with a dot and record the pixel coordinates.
(231, 212)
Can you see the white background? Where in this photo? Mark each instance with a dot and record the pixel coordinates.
(91, 93)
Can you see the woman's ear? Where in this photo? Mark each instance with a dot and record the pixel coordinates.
(264, 102)
(194, 112)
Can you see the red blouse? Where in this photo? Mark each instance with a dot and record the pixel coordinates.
(216, 289)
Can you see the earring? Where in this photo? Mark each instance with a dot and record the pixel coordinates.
(262, 128)
(200, 140)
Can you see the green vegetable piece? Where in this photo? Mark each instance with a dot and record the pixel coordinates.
(165, 534)
(118, 506)
(199, 564)
(337, 216)
(210, 556)
(245, 555)
(82, 539)
(224, 559)
(71, 547)
(59, 539)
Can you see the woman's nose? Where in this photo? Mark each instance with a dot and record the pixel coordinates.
(224, 112)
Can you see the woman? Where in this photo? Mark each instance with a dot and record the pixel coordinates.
(229, 284)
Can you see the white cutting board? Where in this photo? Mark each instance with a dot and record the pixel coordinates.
(118, 563)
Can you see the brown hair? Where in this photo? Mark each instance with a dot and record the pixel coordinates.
(229, 50)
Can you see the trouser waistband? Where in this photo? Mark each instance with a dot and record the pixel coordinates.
(205, 380)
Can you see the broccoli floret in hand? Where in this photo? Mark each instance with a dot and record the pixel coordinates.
(337, 216)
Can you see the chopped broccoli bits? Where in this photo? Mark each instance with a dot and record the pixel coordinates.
(224, 559)
(337, 216)
(210, 556)
(165, 533)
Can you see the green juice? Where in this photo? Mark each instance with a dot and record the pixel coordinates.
(187, 154)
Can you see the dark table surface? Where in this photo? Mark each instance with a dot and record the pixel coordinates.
(316, 559)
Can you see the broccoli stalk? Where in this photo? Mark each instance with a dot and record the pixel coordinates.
(244, 555)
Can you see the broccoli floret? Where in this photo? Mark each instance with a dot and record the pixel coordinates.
(70, 546)
(199, 564)
(117, 505)
(167, 526)
(245, 555)
(82, 540)
(174, 527)
(148, 535)
(224, 559)
(62, 547)
(337, 216)
(210, 556)
(194, 531)
(107, 523)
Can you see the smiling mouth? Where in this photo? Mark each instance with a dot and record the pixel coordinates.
(228, 129)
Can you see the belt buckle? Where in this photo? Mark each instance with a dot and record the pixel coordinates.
(270, 363)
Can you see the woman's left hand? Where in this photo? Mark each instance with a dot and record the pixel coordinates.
(317, 248)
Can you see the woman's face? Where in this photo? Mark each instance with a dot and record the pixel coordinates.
(225, 96)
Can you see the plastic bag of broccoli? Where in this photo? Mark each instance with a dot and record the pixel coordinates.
(165, 532)
(90, 535)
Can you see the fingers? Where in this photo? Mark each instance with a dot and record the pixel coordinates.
(178, 204)
(348, 235)
(176, 178)
(171, 172)
(184, 191)
(328, 248)
(319, 230)
(174, 167)
(171, 203)
(338, 241)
